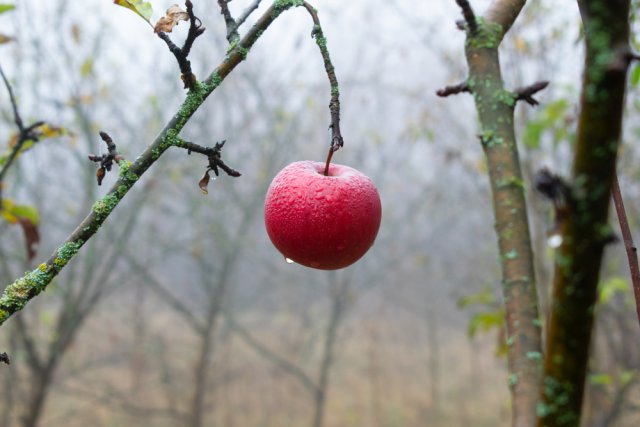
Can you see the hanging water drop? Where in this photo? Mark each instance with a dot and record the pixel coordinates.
(289, 260)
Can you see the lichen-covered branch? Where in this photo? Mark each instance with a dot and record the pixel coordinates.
(334, 105)
(586, 230)
(17, 294)
(495, 107)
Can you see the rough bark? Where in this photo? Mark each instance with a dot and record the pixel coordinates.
(585, 230)
(495, 106)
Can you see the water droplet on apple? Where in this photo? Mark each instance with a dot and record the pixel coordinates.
(289, 260)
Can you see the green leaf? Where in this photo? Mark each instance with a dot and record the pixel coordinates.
(484, 297)
(626, 376)
(483, 322)
(5, 7)
(13, 212)
(142, 8)
(28, 218)
(611, 287)
(600, 379)
(27, 212)
(87, 67)
(44, 131)
(635, 75)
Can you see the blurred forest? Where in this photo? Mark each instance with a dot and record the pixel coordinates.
(181, 313)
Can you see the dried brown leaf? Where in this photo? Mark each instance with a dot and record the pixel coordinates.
(5, 39)
(100, 173)
(171, 19)
(204, 183)
(31, 236)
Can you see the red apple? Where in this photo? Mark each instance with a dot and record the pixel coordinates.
(324, 222)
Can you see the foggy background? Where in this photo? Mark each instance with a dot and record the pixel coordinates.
(180, 312)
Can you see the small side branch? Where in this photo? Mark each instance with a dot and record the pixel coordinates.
(632, 252)
(232, 25)
(16, 114)
(247, 12)
(454, 90)
(106, 160)
(182, 54)
(469, 15)
(4, 358)
(24, 133)
(526, 93)
(214, 155)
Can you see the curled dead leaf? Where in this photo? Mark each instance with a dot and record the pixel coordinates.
(171, 19)
(31, 236)
(100, 173)
(204, 183)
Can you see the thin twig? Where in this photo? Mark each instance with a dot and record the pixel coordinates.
(334, 105)
(469, 15)
(14, 104)
(247, 12)
(24, 134)
(232, 26)
(454, 90)
(214, 154)
(526, 93)
(632, 253)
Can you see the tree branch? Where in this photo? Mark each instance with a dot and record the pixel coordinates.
(247, 12)
(526, 93)
(24, 133)
(504, 13)
(632, 253)
(279, 361)
(469, 16)
(454, 90)
(17, 294)
(182, 54)
(232, 26)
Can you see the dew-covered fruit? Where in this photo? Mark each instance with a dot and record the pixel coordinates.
(324, 222)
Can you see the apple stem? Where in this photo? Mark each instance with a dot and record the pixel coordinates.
(332, 149)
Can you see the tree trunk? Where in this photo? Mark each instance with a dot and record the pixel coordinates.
(495, 106)
(35, 405)
(585, 230)
(339, 293)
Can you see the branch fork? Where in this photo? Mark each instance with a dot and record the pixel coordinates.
(214, 156)
(182, 53)
(105, 160)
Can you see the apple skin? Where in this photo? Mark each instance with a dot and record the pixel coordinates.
(323, 222)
